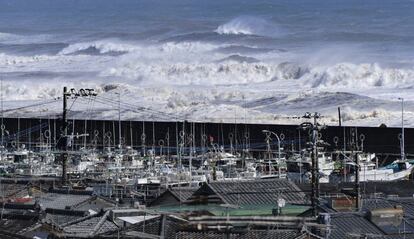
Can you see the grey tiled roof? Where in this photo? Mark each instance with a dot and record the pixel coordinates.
(95, 203)
(9, 235)
(153, 226)
(61, 201)
(16, 225)
(406, 236)
(256, 192)
(88, 226)
(345, 225)
(59, 219)
(204, 235)
(183, 193)
(406, 203)
(268, 234)
(251, 234)
(150, 226)
(408, 207)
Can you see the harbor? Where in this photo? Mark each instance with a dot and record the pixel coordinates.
(203, 177)
(184, 119)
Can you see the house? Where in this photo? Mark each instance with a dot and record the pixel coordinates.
(252, 192)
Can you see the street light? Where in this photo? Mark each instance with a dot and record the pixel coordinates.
(402, 129)
(278, 146)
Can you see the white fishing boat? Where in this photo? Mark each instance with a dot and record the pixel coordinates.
(299, 167)
(368, 171)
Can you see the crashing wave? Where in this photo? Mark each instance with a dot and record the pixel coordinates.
(115, 47)
(102, 47)
(248, 25)
(217, 73)
(239, 58)
(360, 76)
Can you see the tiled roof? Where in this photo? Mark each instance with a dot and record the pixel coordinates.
(183, 193)
(91, 226)
(150, 226)
(406, 203)
(345, 225)
(94, 203)
(8, 235)
(204, 235)
(16, 225)
(61, 201)
(268, 234)
(254, 192)
(399, 236)
(251, 234)
(153, 226)
(60, 219)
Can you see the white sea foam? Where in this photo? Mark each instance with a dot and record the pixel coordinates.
(192, 79)
(248, 25)
(359, 76)
(103, 46)
(116, 46)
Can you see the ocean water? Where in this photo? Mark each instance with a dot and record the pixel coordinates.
(270, 58)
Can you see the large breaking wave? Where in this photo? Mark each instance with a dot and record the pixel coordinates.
(206, 64)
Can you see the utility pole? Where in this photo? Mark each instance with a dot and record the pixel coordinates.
(402, 130)
(314, 127)
(65, 136)
(354, 154)
(357, 186)
(339, 117)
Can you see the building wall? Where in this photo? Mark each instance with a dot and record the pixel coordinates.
(105, 133)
